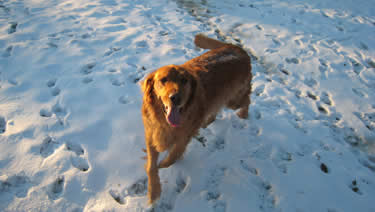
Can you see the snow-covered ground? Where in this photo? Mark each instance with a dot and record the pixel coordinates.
(71, 134)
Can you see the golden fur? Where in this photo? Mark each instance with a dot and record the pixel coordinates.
(180, 99)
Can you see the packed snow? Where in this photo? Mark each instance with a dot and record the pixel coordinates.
(71, 132)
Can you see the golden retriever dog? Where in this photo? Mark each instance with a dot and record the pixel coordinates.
(180, 99)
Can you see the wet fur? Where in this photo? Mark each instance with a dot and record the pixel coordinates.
(219, 78)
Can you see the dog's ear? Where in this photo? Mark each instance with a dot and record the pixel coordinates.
(193, 84)
(147, 86)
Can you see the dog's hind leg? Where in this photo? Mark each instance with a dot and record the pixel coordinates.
(241, 101)
(244, 106)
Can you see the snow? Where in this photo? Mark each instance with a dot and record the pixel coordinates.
(71, 134)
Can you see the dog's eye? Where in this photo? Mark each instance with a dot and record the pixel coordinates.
(163, 80)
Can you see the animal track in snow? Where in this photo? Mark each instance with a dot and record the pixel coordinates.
(18, 184)
(324, 168)
(58, 109)
(45, 113)
(216, 144)
(117, 196)
(255, 131)
(293, 60)
(326, 98)
(311, 82)
(212, 194)
(280, 159)
(312, 95)
(357, 66)
(248, 168)
(8, 51)
(368, 119)
(354, 187)
(323, 109)
(138, 188)
(56, 188)
(268, 200)
(78, 161)
(111, 51)
(3, 125)
(76, 148)
(87, 80)
(259, 90)
(51, 83)
(55, 91)
(88, 68)
(12, 27)
(48, 146)
(117, 82)
(180, 184)
(124, 100)
(360, 92)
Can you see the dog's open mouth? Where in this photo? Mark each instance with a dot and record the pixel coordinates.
(173, 115)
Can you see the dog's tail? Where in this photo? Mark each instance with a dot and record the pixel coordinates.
(205, 42)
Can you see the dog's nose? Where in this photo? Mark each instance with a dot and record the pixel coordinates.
(175, 98)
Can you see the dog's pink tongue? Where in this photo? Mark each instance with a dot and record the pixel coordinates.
(173, 117)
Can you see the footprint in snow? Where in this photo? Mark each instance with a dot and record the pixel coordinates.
(88, 68)
(116, 82)
(360, 92)
(58, 110)
(212, 194)
(12, 27)
(112, 50)
(281, 159)
(137, 189)
(267, 198)
(312, 96)
(56, 188)
(357, 66)
(293, 60)
(3, 125)
(87, 80)
(124, 100)
(51, 83)
(322, 109)
(180, 184)
(255, 131)
(45, 113)
(326, 98)
(354, 186)
(55, 91)
(169, 196)
(48, 146)
(118, 197)
(76, 148)
(259, 90)
(248, 168)
(18, 185)
(312, 83)
(368, 119)
(78, 161)
(8, 51)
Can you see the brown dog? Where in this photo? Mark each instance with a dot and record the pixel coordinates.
(180, 99)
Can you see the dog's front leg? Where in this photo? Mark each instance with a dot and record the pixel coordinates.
(174, 154)
(154, 187)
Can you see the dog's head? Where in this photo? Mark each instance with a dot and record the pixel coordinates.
(173, 86)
